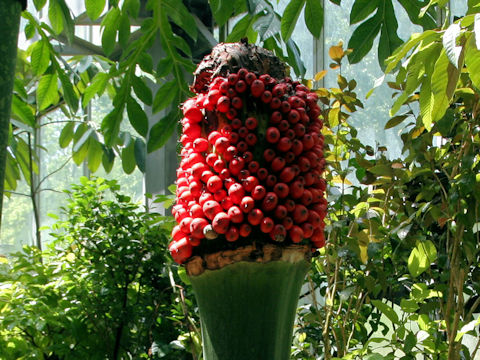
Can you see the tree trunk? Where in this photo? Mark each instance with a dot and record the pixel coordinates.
(10, 14)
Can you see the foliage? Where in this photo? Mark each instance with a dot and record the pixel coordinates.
(399, 277)
(104, 289)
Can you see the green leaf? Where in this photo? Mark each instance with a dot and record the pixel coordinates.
(266, 26)
(69, 24)
(97, 86)
(142, 90)
(39, 4)
(421, 257)
(413, 8)
(138, 118)
(162, 130)
(409, 305)
(222, 10)
(164, 67)
(145, 62)
(40, 57)
(426, 103)
(128, 158)
(472, 61)
(444, 82)
(428, 37)
(55, 15)
(362, 38)
(290, 17)
(124, 30)
(22, 112)
(361, 9)
(180, 15)
(450, 43)
(389, 39)
(66, 135)
(94, 8)
(394, 121)
(68, 92)
(295, 59)
(165, 95)
(47, 91)
(241, 28)
(108, 159)
(181, 45)
(95, 154)
(110, 26)
(111, 125)
(386, 310)
(314, 17)
(132, 7)
(140, 154)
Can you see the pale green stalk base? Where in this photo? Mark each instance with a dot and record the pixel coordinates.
(247, 309)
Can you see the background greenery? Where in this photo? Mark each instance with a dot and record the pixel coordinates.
(399, 277)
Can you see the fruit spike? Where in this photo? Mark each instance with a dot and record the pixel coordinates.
(252, 158)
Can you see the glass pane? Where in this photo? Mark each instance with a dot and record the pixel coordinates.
(371, 120)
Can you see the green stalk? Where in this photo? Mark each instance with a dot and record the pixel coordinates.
(10, 21)
(247, 309)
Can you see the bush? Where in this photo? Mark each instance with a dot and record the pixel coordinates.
(103, 290)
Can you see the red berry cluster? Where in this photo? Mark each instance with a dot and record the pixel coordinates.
(258, 170)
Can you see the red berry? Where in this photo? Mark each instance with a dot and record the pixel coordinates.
(285, 107)
(220, 195)
(308, 141)
(278, 233)
(297, 147)
(250, 183)
(236, 192)
(253, 167)
(226, 203)
(211, 208)
(236, 165)
(270, 201)
(236, 215)
(180, 250)
(307, 230)
(245, 230)
(283, 126)
(223, 104)
(243, 132)
(247, 204)
(278, 90)
(271, 180)
(255, 216)
(177, 233)
(284, 144)
(275, 103)
(278, 164)
(266, 225)
(276, 117)
(296, 189)
(266, 97)
(213, 136)
(281, 189)
(206, 196)
(214, 183)
(300, 214)
(240, 86)
(220, 223)
(269, 155)
(242, 146)
(272, 135)
(251, 123)
(296, 234)
(307, 197)
(219, 165)
(236, 123)
(289, 157)
(232, 79)
(200, 145)
(280, 212)
(221, 144)
(251, 139)
(196, 227)
(211, 158)
(287, 222)
(259, 192)
(196, 211)
(230, 152)
(232, 234)
(242, 72)
(262, 173)
(250, 78)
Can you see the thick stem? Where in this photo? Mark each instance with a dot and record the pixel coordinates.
(10, 15)
(248, 309)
